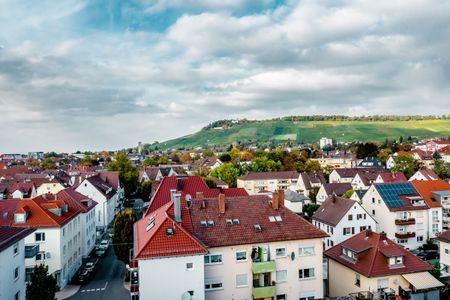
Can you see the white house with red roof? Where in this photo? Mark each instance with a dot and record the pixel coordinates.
(391, 177)
(433, 145)
(424, 174)
(57, 237)
(371, 264)
(225, 247)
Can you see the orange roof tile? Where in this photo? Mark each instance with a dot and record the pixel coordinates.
(426, 189)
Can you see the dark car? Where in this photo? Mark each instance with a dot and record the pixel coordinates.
(83, 276)
(428, 255)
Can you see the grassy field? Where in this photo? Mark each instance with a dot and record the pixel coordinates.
(312, 131)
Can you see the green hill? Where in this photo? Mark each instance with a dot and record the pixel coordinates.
(309, 131)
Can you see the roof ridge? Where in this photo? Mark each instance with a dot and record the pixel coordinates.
(374, 256)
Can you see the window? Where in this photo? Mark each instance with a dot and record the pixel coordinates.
(189, 266)
(373, 212)
(17, 296)
(357, 280)
(241, 280)
(420, 238)
(210, 222)
(229, 221)
(213, 259)
(280, 252)
(64, 250)
(281, 297)
(212, 284)
(281, 276)
(64, 232)
(350, 217)
(447, 250)
(241, 255)
(203, 223)
(348, 253)
(434, 228)
(39, 236)
(373, 199)
(16, 273)
(435, 215)
(40, 256)
(235, 221)
(306, 250)
(396, 260)
(16, 248)
(306, 273)
(347, 230)
(402, 241)
(307, 296)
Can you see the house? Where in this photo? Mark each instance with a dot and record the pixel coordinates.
(394, 177)
(372, 263)
(244, 247)
(343, 175)
(444, 251)
(402, 213)
(423, 157)
(86, 206)
(324, 142)
(365, 177)
(22, 190)
(433, 145)
(254, 182)
(295, 201)
(336, 159)
(341, 218)
(155, 173)
(358, 195)
(437, 195)
(47, 186)
(307, 182)
(424, 174)
(328, 189)
(208, 163)
(12, 260)
(370, 162)
(105, 196)
(57, 239)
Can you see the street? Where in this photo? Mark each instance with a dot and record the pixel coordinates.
(106, 281)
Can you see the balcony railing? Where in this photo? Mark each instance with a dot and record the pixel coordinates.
(410, 221)
(263, 267)
(263, 292)
(31, 250)
(405, 235)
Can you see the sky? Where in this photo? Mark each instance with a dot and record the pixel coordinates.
(103, 75)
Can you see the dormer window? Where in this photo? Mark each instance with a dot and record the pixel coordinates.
(19, 218)
(349, 254)
(396, 261)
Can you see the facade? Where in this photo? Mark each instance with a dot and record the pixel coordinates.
(12, 261)
(444, 252)
(365, 177)
(372, 263)
(402, 213)
(295, 201)
(341, 218)
(310, 181)
(49, 188)
(424, 174)
(328, 189)
(342, 175)
(255, 183)
(324, 142)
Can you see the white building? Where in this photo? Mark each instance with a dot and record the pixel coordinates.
(444, 249)
(328, 189)
(12, 261)
(256, 182)
(324, 142)
(424, 174)
(341, 218)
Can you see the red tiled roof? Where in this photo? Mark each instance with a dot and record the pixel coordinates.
(444, 237)
(429, 174)
(77, 200)
(249, 210)
(10, 235)
(270, 175)
(372, 262)
(24, 187)
(332, 210)
(338, 189)
(394, 177)
(111, 178)
(426, 189)
(7, 209)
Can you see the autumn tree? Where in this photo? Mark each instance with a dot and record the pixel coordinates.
(228, 173)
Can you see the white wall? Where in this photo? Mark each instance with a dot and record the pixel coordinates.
(88, 232)
(168, 278)
(9, 286)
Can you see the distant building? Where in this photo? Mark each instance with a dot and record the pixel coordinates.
(325, 142)
(35, 155)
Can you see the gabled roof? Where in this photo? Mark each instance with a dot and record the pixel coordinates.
(332, 210)
(444, 236)
(270, 175)
(312, 178)
(77, 200)
(102, 186)
(369, 175)
(24, 187)
(338, 189)
(7, 209)
(399, 196)
(426, 189)
(250, 211)
(428, 174)
(10, 236)
(394, 177)
(370, 162)
(373, 262)
(111, 178)
(152, 241)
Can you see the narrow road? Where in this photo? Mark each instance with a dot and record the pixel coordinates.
(106, 281)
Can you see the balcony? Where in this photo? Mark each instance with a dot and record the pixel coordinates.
(263, 267)
(410, 221)
(31, 250)
(263, 292)
(405, 235)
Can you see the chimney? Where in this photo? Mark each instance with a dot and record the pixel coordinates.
(333, 199)
(199, 195)
(176, 198)
(368, 232)
(203, 205)
(222, 203)
(281, 198)
(179, 184)
(275, 200)
(382, 235)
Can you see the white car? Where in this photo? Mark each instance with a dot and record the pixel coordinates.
(104, 244)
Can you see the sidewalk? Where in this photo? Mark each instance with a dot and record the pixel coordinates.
(67, 292)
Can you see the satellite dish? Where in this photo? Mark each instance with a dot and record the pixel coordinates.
(292, 255)
(186, 296)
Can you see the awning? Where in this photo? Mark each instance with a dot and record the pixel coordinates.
(422, 280)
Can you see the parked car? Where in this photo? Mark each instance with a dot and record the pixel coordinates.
(104, 244)
(89, 266)
(428, 255)
(83, 276)
(99, 252)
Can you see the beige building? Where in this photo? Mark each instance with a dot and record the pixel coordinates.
(444, 249)
(257, 182)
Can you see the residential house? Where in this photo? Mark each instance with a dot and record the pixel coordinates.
(208, 163)
(343, 175)
(394, 177)
(341, 218)
(432, 145)
(372, 264)
(336, 159)
(444, 252)
(328, 189)
(423, 157)
(307, 182)
(358, 195)
(370, 162)
(325, 142)
(57, 236)
(21, 190)
(156, 173)
(365, 177)
(424, 174)
(295, 201)
(245, 247)
(12, 261)
(255, 182)
(402, 213)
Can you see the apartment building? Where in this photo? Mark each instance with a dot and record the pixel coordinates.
(256, 182)
(444, 249)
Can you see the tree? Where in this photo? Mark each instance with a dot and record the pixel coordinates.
(185, 157)
(228, 173)
(48, 163)
(436, 272)
(313, 194)
(234, 153)
(441, 169)
(210, 182)
(42, 285)
(309, 209)
(264, 165)
(383, 155)
(348, 193)
(406, 164)
(225, 158)
(145, 189)
(122, 238)
(366, 150)
(128, 174)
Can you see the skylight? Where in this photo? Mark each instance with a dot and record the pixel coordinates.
(236, 221)
(257, 227)
(210, 222)
(203, 223)
(228, 221)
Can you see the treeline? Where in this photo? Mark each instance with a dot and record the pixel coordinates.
(375, 118)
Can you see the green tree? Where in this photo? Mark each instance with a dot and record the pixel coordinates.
(366, 150)
(145, 189)
(228, 173)
(348, 193)
(261, 164)
(48, 163)
(122, 238)
(383, 155)
(441, 169)
(406, 164)
(128, 174)
(313, 194)
(210, 182)
(436, 272)
(309, 209)
(42, 285)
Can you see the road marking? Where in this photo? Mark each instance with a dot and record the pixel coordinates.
(83, 291)
(98, 289)
(106, 284)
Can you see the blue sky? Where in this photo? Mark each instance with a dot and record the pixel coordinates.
(95, 75)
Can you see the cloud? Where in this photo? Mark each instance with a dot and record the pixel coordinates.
(106, 74)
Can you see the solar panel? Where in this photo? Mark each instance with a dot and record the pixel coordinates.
(390, 193)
